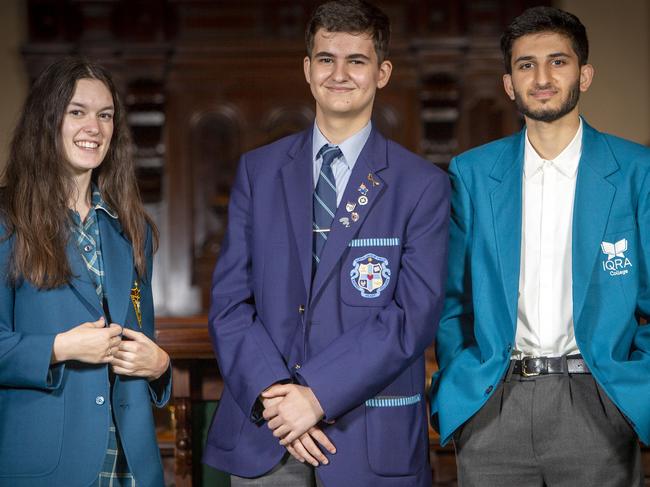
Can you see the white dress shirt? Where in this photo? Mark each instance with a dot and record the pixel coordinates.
(545, 304)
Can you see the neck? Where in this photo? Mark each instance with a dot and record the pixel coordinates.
(338, 129)
(550, 138)
(80, 200)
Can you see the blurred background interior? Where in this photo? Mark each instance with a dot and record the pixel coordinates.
(206, 80)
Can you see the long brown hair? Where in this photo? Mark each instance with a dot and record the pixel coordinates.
(36, 198)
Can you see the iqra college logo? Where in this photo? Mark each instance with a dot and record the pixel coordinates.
(616, 264)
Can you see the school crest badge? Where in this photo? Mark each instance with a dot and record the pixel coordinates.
(370, 275)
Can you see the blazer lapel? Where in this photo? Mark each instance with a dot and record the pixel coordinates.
(506, 200)
(117, 255)
(81, 283)
(364, 177)
(593, 199)
(298, 182)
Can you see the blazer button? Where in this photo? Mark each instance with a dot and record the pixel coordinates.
(88, 248)
(99, 400)
(301, 309)
(489, 389)
(297, 366)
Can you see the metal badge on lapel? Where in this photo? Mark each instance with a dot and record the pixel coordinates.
(363, 189)
(350, 206)
(371, 178)
(135, 299)
(363, 200)
(345, 221)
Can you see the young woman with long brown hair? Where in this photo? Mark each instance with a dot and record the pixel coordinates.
(78, 365)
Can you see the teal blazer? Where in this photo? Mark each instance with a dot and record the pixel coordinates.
(54, 419)
(610, 291)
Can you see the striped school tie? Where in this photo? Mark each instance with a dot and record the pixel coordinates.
(324, 199)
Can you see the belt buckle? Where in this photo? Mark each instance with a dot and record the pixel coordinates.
(524, 367)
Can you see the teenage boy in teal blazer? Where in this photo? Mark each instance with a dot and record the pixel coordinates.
(544, 368)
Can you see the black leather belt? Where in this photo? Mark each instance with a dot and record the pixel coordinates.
(534, 366)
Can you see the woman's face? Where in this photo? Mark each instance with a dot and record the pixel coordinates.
(87, 125)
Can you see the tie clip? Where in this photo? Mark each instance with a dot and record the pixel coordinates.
(322, 230)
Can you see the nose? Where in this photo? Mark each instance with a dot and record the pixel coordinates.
(542, 76)
(91, 126)
(340, 71)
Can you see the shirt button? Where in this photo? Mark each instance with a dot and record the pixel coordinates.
(489, 389)
(99, 400)
(88, 248)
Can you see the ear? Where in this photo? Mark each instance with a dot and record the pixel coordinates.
(306, 65)
(385, 70)
(586, 77)
(507, 85)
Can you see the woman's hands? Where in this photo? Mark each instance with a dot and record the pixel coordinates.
(90, 342)
(129, 352)
(138, 356)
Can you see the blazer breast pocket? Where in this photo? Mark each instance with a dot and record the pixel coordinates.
(370, 270)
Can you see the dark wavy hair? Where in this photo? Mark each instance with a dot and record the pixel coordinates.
(39, 184)
(353, 16)
(545, 19)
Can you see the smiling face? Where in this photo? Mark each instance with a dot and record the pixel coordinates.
(546, 78)
(87, 125)
(344, 75)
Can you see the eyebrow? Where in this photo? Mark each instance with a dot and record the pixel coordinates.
(551, 56)
(82, 105)
(351, 56)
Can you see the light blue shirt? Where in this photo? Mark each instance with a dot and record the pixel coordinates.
(342, 166)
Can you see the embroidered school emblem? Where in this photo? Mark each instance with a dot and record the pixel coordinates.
(616, 264)
(370, 275)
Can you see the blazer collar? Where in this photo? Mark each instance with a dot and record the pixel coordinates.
(506, 202)
(593, 199)
(297, 179)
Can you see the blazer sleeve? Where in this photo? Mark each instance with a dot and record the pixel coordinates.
(456, 330)
(368, 357)
(24, 358)
(248, 358)
(161, 388)
(642, 336)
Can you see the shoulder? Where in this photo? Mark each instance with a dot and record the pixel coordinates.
(277, 151)
(487, 152)
(625, 151)
(404, 164)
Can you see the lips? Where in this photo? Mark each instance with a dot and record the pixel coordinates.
(543, 94)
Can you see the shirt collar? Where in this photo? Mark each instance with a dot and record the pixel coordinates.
(98, 203)
(350, 147)
(566, 163)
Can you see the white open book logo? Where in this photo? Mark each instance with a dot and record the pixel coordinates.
(612, 250)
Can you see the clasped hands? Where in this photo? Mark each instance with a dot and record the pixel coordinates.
(293, 412)
(127, 351)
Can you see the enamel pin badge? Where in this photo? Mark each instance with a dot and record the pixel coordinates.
(135, 299)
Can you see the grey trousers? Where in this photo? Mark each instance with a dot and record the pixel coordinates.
(288, 473)
(548, 431)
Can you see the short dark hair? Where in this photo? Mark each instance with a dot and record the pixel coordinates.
(354, 16)
(545, 19)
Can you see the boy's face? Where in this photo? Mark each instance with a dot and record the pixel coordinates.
(547, 78)
(344, 74)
